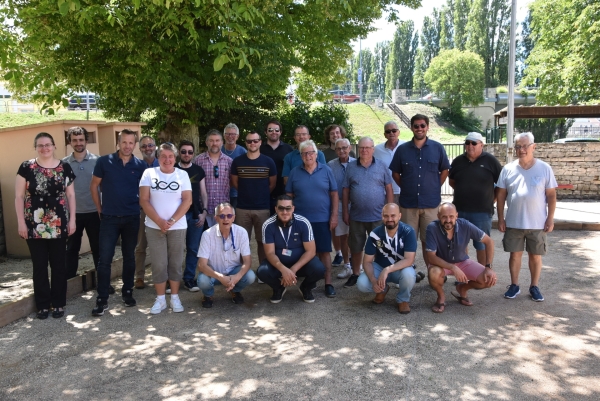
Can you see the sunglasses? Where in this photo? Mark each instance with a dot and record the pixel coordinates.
(416, 126)
(216, 171)
(273, 130)
(390, 131)
(186, 152)
(342, 148)
(472, 143)
(252, 140)
(149, 146)
(225, 216)
(284, 208)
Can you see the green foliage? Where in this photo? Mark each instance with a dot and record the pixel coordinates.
(565, 57)
(457, 77)
(401, 61)
(502, 89)
(430, 37)
(466, 121)
(544, 129)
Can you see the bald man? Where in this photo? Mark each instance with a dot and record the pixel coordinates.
(446, 243)
(389, 258)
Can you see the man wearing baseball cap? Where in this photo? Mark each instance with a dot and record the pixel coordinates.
(473, 175)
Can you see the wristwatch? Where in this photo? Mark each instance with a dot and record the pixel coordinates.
(172, 220)
(489, 265)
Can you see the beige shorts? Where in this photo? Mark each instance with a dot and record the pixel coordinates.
(418, 219)
(515, 238)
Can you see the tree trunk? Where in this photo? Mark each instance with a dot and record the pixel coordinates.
(176, 130)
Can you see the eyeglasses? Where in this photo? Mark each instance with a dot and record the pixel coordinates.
(230, 133)
(342, 148)
(472, 143)
(365, 147)
(391, 131)
(225, 216)
(253, 140)
(216, 171)
(149, 146)
(42, 146)
(284, 208)
(524, 147)
(417, 126)
(273, 130)
(309, 153)
(186, 152)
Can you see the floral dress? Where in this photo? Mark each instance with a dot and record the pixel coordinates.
(46, 212)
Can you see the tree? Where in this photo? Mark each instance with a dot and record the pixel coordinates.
(446, 26)
(379, 62)
(565, 56)
(460, 18)
(457, 77)
(419, 74)
(430, 37)
(401, 61)
(184, 61)
(524, 46)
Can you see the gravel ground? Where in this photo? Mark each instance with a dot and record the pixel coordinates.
(344, 348)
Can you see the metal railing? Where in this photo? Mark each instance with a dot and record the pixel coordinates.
(403, 117)
(452, 150)
(495, 134)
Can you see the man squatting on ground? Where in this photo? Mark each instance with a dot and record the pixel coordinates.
(446, 243)
(389, 258)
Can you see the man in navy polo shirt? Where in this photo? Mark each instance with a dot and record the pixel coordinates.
(389, 258)
(420, 167)
(294, 159)
(447, 241)
(118, 175)
(291, 253)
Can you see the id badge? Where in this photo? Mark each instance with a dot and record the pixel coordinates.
(286, 252)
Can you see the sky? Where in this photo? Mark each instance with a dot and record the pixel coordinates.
(385, 30)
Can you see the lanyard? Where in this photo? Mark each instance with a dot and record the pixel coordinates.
(288, 237)
(232, 240)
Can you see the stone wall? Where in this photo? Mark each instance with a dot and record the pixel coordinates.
(576, 164)
(2, 236)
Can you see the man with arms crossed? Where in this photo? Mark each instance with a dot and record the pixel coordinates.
(385, 151)
(294, 159)
(276, 150)
(528, 185)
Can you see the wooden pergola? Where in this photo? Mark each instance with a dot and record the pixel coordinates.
(571, 111)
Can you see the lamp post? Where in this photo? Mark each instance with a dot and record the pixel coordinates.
(510, 124)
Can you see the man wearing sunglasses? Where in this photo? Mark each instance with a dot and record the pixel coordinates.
(473, 175)
(294, 159)
(385, 151)
(216, 166)
(254, 176)
(148, 150)
(233, 150)
(276, 150)
(219, 255)
(196, 214)
(420, 167)
(291, 253)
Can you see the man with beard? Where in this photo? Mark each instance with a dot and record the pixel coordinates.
(446, 243)
(276, 150)
(217, 167)
(389, 258)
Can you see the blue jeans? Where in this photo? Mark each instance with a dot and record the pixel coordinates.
(483, 221)
(207, 284)
(192, 242)
(405, 278)
(110, 229)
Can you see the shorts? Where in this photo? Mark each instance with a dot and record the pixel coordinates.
(358, 234)
(342, 228)
(322, 235)
(418, 219)
(481, 220)
(515, 238)
(471, 269)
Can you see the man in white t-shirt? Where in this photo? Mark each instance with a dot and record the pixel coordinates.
(529, 187)
(219, 257)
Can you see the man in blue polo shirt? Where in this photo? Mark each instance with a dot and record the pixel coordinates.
(291, 252)
(389, 258)
(118, 175)
(420, 167)
(293, 159)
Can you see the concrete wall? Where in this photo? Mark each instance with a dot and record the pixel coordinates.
(16, 145)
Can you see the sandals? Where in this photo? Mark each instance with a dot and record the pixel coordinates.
(462, 300)
(58, 313)
(438, 308)
(43, 314)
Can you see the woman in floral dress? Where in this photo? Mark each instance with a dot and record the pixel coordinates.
(45, 206)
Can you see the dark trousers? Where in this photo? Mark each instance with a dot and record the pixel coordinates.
(91, 223)
(110, 229)
(312, 272)
(53, 251)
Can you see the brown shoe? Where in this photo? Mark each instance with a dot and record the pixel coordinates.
(139, 284)
(380, 297)
(404, 308)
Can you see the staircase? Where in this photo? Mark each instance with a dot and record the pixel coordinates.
(403, 117)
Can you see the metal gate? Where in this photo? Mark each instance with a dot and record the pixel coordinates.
(452, 150)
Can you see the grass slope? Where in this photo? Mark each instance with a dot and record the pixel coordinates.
(18, 119)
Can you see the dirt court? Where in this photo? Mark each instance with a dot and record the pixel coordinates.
(344, 348)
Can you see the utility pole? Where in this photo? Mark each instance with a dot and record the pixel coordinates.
(510, 124)
(360, 68)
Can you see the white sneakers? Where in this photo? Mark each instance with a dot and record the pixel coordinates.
(347, 272)
(161, 306)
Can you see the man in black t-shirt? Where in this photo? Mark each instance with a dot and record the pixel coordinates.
(276, 150)
(473, 176)
(195, 215)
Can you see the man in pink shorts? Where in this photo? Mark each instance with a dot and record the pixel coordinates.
(446, 245)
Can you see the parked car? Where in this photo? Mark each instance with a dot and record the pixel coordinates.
(80, 102)
(344, 97)
(568, 140)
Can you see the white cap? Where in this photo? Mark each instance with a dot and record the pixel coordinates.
(475, 136)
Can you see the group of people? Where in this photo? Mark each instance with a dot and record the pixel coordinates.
(298, 201)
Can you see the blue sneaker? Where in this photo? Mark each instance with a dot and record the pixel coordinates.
(535, 293)
(513, 291)
(337, 261)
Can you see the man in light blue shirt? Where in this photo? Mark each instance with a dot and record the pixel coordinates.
(230, 148)
(294, 159)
